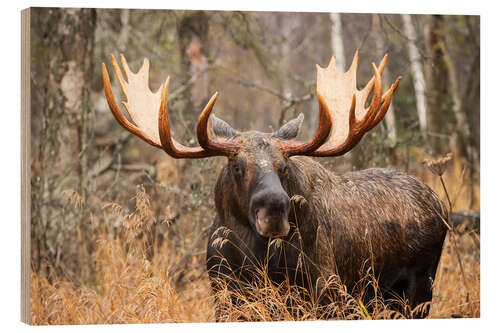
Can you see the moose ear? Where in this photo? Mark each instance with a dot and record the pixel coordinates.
(290, 129)
(222, 129)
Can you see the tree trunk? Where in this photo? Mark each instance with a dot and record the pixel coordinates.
(337, 42)
(462, 132)
(417, 75)
(62, 53)
(390, 117)
(461, 141)
(77, 40)
(437, 84)
(287, 24)
(123, 37)
(194, 45)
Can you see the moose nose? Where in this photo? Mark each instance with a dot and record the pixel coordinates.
(269, 210)
(273, 202)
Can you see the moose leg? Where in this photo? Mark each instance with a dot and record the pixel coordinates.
(404, 286)
(423, 287)
(230, 292)
(422, 292)
(229, 274)
(394, 285)
(222, 282)
(412, 285)
(223, 298)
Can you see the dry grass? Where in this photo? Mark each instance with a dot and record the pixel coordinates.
(454, 297)
(130, 288)
(133, 290)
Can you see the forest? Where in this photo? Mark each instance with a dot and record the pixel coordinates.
(119, 228)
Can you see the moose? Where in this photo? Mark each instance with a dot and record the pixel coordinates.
(277, 206)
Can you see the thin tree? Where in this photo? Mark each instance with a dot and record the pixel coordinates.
(390, 117)
(337, 41)
(62, 55)
(417, 73)
(437, 85)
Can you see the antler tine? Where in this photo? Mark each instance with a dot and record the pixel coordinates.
(386, 102)
(169, 145)
(218, 148)
(118, 73)
(127, 70)
(369, 86)
(371, 114)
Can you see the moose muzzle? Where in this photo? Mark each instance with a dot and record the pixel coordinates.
(269, 210)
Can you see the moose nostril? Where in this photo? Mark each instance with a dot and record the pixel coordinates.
(277, 202)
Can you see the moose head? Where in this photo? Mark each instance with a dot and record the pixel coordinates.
(257, 162)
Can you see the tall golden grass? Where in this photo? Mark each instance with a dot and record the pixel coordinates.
(131, 286)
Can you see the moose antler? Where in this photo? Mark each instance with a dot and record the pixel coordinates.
(337, 92)
(337, 99)
(149, 112)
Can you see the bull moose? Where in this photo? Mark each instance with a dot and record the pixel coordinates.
(271, 189)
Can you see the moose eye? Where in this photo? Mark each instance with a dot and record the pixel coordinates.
(283, 169)
(237, 169)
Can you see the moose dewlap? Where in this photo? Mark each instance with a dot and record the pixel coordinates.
(376, 219)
